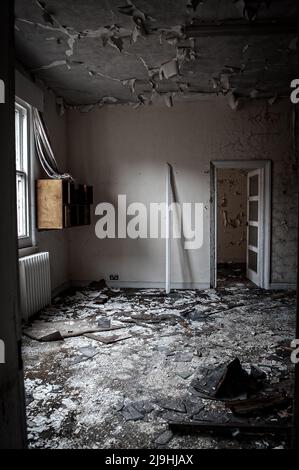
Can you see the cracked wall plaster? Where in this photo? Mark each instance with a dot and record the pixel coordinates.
(189, 136)
(284, 231)
(232, 215)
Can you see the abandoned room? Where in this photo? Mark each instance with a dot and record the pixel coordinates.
(155, 221)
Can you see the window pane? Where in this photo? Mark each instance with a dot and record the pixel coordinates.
(254, 185)
(253, 211)
(253, 236)
(22, 176)
(252, 261)
(18, 140)
(24, 141)
(21, 206)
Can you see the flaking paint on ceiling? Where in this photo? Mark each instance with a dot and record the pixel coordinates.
(117, 51)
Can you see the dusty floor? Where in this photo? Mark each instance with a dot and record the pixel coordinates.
(83, 393)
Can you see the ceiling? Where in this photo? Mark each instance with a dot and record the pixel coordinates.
(106, 51)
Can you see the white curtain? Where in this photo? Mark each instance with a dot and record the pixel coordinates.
(44, 149)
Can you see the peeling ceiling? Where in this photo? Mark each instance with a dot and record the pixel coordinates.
(120, 51)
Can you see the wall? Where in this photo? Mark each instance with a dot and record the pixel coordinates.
(56, 242)
(120, 150)
(12, 399)
(232, 215)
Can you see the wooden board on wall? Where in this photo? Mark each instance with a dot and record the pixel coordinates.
(49, 205)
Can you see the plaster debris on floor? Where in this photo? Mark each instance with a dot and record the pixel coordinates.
(112, 368)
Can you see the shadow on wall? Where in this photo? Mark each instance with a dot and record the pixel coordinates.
(184, 255)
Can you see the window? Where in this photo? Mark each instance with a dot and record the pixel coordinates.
(23, 174)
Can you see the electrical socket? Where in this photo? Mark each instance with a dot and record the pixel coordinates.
(114, 277)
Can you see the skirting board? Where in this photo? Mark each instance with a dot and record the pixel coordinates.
(146, 285)
(282, 286)
(157, 285)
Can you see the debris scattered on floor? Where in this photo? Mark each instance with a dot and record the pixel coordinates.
(109, 339)
(228, 381)
(172, 404)
(164, 438)
(187, 359)
(130, 413)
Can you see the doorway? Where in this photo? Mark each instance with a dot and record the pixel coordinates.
(240, 221)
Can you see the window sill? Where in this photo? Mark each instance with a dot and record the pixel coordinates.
(28, 251)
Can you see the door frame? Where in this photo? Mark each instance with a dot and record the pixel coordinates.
(266, 171)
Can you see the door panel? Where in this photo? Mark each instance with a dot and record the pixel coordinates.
(254, 206)
(252, 261)
(253, 210)
(253, 236)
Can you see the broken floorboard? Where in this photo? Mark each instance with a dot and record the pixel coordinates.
(258, 404)
(230, 429)
(58, 331)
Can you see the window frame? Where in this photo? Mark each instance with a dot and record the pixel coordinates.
(27, 172)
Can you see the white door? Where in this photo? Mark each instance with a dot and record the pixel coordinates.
(254, 227)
